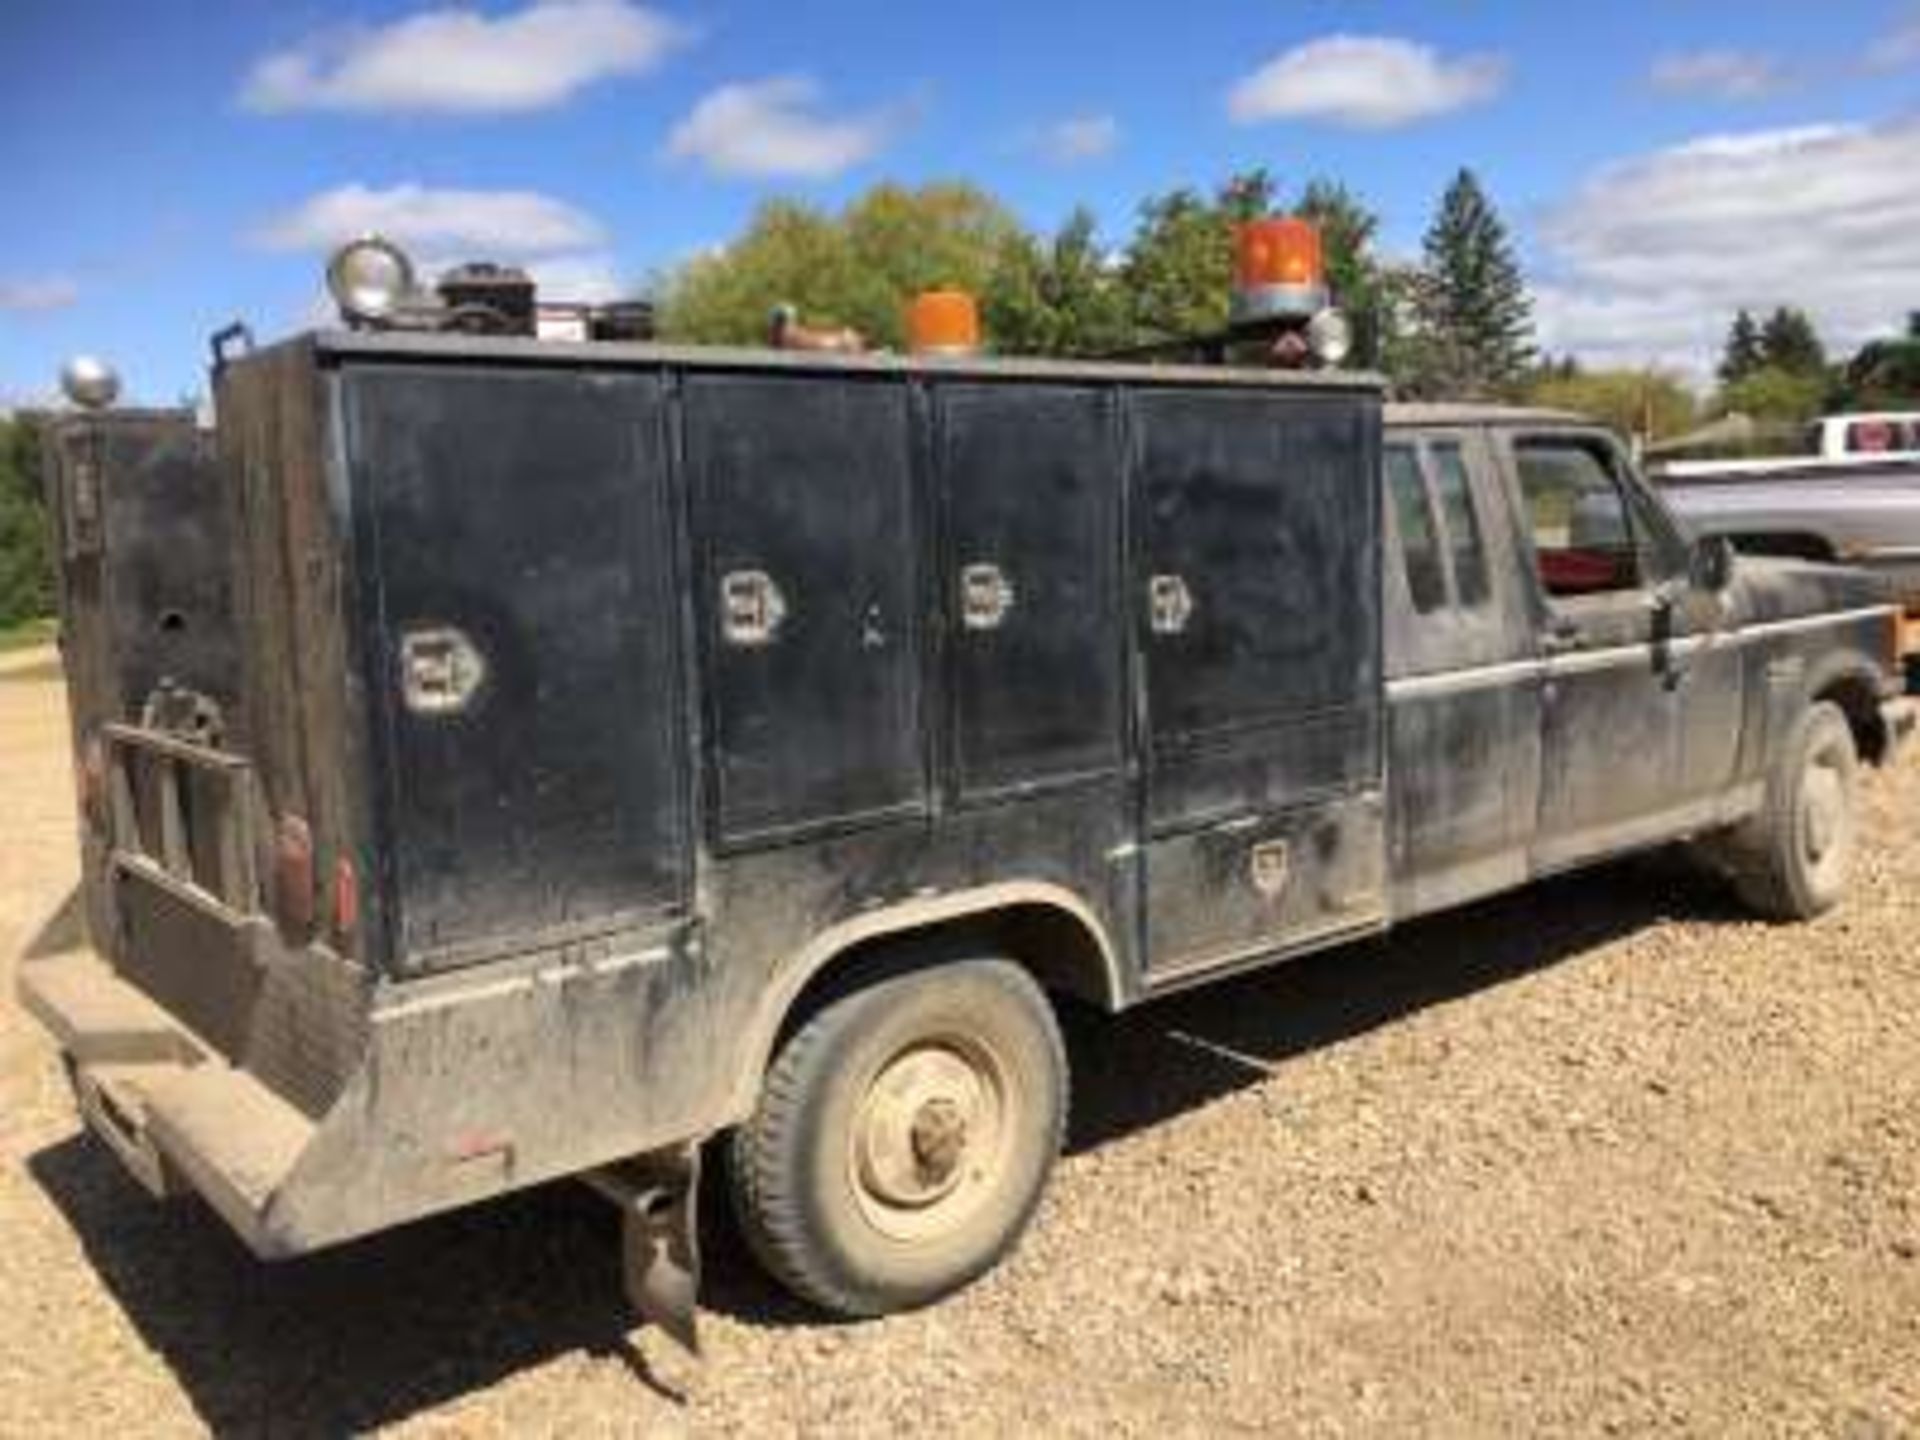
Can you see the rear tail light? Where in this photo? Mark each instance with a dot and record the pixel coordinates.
(346, 901)
(90, 779)
(293, 878)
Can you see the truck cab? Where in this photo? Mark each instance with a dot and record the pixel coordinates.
(1570, 675)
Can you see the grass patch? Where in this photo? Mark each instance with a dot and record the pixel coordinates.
(28, 633)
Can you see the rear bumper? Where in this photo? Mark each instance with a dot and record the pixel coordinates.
(176, 1114)
(462, 1089)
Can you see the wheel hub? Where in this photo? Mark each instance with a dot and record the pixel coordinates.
(927, 1138)
(939, 1137)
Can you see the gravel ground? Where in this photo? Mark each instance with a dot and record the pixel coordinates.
(1602, 1158)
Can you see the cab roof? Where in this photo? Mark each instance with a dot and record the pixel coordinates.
(1422, 413)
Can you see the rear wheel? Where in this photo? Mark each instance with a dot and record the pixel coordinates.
(903, 1137)
(1792, 860)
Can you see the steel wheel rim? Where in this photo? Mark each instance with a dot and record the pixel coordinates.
(930, 1137)
(1825, 814)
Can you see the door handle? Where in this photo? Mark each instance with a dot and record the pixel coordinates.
(1561, 637)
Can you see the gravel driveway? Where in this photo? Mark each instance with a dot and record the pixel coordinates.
(1602, 1158)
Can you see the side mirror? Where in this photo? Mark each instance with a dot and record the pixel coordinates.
(1710, 563)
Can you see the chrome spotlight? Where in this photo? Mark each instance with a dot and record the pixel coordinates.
(89, 382)
(369, 279)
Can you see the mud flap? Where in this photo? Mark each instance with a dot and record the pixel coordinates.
(660, 1241)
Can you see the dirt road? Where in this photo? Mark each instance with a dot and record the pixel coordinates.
(1604, 1158)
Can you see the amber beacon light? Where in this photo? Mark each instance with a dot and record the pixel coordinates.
(1279, 271)
(943, 322)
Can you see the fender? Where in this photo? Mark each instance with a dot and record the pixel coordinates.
(904, 918)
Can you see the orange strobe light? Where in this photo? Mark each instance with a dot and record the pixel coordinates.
(1279, 270)
(943, 322)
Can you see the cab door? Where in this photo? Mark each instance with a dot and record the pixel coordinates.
(1611, 632)
(1463, 691)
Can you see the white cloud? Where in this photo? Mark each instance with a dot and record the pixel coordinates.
(45, 292)
(1364, 82)
(1076, 138)
(461, 61)
(764, 128)
(1650, 257)
(480, 222)
(1721, 73)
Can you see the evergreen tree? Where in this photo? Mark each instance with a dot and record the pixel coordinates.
(1743, 354)
(1475, 316)
(1789, 342)
(1058, 297)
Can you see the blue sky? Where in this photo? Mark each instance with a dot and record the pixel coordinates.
(169, 167)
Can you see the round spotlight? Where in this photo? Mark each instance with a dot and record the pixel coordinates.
(89, 382)
(1330, 336)
(369, 279)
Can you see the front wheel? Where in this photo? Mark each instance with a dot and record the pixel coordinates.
(1791, 861)
(903, 1137)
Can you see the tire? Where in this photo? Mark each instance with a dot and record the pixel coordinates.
(1791, 861)
(903, 1137)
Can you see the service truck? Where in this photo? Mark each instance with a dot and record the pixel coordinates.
(590, 757)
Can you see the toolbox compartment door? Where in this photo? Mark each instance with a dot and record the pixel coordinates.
(525, 515)
(1030, 482)
(806, 597)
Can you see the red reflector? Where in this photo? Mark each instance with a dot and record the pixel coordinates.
(346, 899)
(293, 873)
(90, 776)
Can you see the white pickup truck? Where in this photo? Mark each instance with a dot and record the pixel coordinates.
(1855, 500)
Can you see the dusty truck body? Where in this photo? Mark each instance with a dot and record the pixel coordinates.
(634, 746)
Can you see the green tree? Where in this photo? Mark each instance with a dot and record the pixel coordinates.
(1178, 271)
(856, 268)
(1474, 318)
(1057, 297)
(1743, 354)
(1789, 342)
(26, 555)
(1179, 265)
(1648, 403)
(1883, 375)
(1775, 393)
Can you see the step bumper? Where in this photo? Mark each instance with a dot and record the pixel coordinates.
(176, 1114)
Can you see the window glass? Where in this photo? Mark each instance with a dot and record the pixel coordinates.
(1463, 526)
(1582, 538)
(1872, 437)
(1419, 546)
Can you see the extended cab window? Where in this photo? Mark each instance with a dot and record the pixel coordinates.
(1419, 542)
(1583, 538)
(1463, 526)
